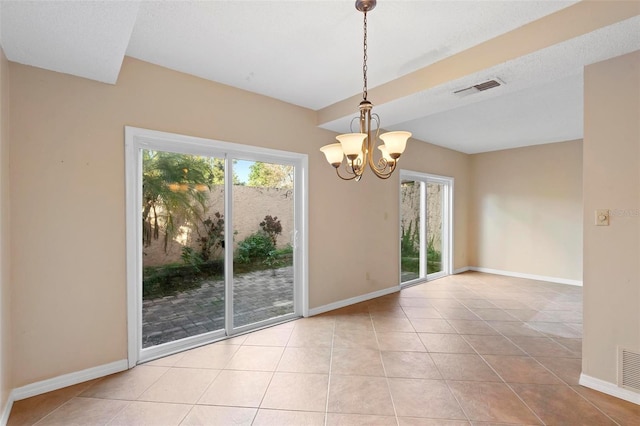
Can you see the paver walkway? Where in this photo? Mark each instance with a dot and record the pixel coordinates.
(257, 296)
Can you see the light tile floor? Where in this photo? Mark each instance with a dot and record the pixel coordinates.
(469, 349)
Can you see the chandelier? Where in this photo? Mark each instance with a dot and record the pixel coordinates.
(358, 148)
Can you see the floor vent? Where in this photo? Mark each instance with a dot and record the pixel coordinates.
(628, 369)
(480, 87)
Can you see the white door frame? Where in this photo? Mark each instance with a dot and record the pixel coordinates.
(136, 140)
(447, 224)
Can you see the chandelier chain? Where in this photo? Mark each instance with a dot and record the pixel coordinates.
(364, 59)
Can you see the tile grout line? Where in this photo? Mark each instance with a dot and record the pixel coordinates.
(326, 403)
(538, 362)
(502, 378)
(446, 382)
(384, 370)
(273, 373)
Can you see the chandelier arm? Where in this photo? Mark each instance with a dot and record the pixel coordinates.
(346, 178)
(352, 169)
(382, 175)
(375, 117)
(381, 172)
(381, 169)
(351, 124)
(383, 165)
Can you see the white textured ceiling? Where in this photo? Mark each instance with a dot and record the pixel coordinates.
(83, 38)
(309, 53)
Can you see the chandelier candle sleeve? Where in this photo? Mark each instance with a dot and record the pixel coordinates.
(359, 148)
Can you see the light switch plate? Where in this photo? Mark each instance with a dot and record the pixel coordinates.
(602, 217)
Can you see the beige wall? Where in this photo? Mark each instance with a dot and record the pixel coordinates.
(526, 210)
(5, 320)
(67, 202)
(611, 181)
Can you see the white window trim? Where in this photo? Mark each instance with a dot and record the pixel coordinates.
(137, 139)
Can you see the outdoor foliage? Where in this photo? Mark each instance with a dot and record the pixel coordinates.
(213, 239)
(175, 189)
(166, 280)
(409, 246)
(270, 175)
(434, 258)
(272, 227)
(255, 247)
(411, 256)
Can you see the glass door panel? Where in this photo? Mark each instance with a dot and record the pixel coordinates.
(435, 206)
(183, 285)
(424, 226)
(263, 226)
(410, 219)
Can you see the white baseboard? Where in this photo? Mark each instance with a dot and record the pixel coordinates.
(353, 300)
(527, 276)
(609, 388)
(460, 270)
(7, 410)
(70, 379)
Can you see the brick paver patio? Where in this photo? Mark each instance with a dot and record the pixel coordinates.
(257, 296)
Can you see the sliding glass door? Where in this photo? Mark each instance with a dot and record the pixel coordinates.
(434, 238)
(215, 240)
(425, 226)
(183, 286)
(263, 263)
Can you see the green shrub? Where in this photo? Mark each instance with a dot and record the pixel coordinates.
(165, 280)
(255, 247)
(409, 244)
(434, 258)
(192, 258)
(286, 251)
(410, 264)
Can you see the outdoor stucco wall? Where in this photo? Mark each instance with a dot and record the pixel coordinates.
(410, 212)
(68, 202)
(251, 205)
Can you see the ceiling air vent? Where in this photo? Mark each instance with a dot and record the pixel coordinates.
(480, 87)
